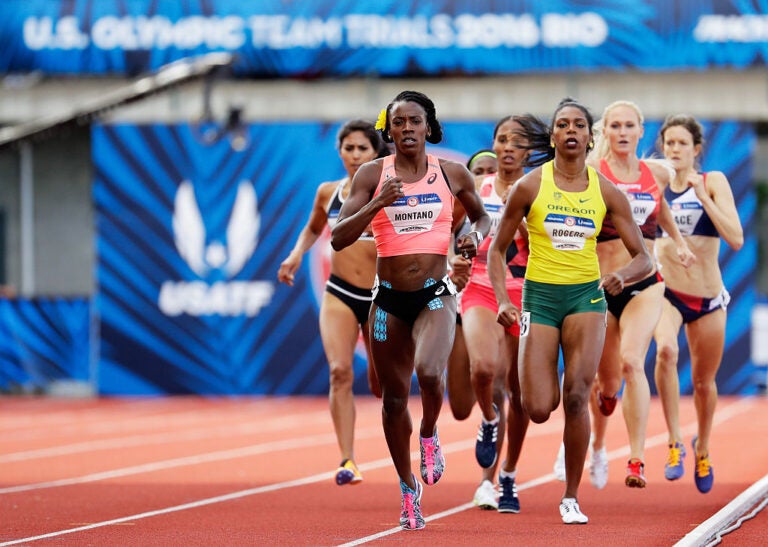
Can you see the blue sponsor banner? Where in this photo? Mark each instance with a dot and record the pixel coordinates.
(324, 38)
(190, 235)
(43, 341)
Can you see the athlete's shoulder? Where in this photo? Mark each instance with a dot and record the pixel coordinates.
(457, 174)
(450, 166)
(528, 185)
(326, 189)
(661, 169)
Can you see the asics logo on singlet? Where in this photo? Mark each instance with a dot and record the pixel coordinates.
(432, 178)
(440, 290)
(571, 210)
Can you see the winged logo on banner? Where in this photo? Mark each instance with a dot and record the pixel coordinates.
(241, 235)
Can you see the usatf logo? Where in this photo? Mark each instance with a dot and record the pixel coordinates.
(217, 261)
(413, 201)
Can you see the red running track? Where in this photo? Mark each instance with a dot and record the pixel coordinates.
(255, 471)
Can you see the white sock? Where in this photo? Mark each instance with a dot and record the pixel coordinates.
(507, 474)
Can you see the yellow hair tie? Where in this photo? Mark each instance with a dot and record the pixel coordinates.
(381, 121)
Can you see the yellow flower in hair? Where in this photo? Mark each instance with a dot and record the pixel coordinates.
(381, 122)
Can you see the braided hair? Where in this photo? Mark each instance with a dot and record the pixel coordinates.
(436, 130)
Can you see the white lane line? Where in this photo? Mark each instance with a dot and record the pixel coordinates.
(740, 406)
(230, 454)
(722, 415)
(131, 414)
(166, 437)
(321, 477)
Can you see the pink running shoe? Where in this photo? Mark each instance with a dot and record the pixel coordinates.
(410, 511)
(432, 460)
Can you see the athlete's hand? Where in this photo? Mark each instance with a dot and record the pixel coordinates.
(391, 190)
(612, 283)
(288, 269)
(460, 269)
(508, 315)
(696, 181)
(467, 244)
(685, 254)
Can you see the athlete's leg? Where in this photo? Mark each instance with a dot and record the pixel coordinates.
(706, 340)
(583, 335)
(339, 332)
(393, 348)
(517, 419)
(489, 359)
(485, 339)
(537, 368)
(637, 324)
(461, 396)
(433, 334)
(608, 380)
(665, 371)
(373, 380)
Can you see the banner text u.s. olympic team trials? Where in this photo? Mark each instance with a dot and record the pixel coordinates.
(274, 38)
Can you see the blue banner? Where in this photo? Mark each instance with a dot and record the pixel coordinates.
(191, 232)
(324, 38)
(44, 341)
(190, 237)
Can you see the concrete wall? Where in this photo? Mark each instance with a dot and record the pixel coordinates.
(63, 236)
(9, 205)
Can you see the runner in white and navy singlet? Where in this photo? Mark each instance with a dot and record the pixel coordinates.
(704, 211)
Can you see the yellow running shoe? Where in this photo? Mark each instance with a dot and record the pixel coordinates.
(348, 473)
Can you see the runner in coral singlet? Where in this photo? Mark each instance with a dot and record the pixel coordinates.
(408, 200)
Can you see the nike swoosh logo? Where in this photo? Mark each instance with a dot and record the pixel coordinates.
(595, 300)
(440, 290)
(584, 200)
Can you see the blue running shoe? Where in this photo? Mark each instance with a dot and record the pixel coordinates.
(432, 459)
(508, 502)
(674, 469)
(410, 510)
(485, 447)
(703, 474)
